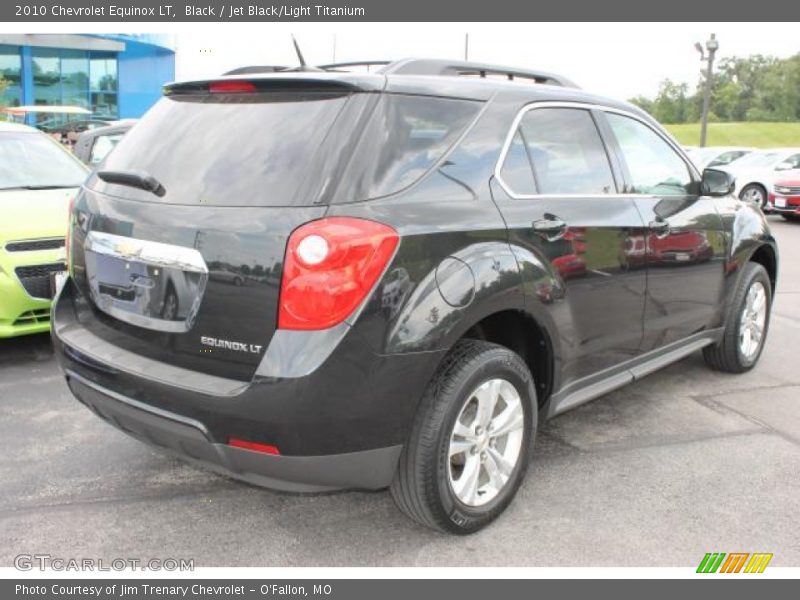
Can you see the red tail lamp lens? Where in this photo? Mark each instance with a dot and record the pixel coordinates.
(254, 446)
(231, 87)
(330, 267)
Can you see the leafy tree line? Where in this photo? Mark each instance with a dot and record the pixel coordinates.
(755, 88)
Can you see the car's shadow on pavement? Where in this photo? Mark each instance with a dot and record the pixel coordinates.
(25, 349)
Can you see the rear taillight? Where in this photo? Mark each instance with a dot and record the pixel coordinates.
(330, 267)
(68, 236)
(231, 87)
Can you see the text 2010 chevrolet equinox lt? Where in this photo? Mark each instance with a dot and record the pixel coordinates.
(325, 280)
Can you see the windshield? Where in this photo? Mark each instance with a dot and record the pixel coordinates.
(30, 160)
(758, 159)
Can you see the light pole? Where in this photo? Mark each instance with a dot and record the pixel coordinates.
(711, 46)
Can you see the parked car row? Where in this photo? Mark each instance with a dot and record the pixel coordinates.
(757, 172)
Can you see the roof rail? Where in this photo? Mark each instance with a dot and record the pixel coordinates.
(421, 66)
(358, 63)
(425, 66)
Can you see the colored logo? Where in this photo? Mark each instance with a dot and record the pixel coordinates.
(735, 562)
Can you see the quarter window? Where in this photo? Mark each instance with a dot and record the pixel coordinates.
(653, 166)
(566, 152)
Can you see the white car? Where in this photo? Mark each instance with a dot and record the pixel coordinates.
(717, 156)
(755, 173)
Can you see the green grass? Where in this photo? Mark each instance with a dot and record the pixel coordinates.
(759, 135)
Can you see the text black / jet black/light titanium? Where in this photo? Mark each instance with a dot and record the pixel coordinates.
(322, 280)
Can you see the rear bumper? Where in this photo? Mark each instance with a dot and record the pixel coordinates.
(190, 439)
(338, 426)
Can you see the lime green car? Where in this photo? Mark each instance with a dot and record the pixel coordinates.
(38, 177)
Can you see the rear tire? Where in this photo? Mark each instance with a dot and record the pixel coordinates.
(459, 470)
(734, 354)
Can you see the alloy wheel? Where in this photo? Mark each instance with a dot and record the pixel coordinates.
(752, 320)
(754, 195)
(486, 442)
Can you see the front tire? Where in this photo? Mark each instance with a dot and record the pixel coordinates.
(794, 218)
(746, 324)
(755, 194)
(470, 443)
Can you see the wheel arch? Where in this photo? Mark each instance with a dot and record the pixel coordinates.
(520, 332)
(753, 183)
(767, 257)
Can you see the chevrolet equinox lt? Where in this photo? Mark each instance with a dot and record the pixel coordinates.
(319, 280)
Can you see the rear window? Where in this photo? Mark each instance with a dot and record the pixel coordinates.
(288, 148)
(236, 150)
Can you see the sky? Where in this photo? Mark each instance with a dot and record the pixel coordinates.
(614, 59)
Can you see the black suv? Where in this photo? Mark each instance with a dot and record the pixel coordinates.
(321, 280)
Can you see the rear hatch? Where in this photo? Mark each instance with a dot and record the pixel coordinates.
(190, 275)
(178, 240)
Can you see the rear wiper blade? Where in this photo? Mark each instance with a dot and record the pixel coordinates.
(136, 179)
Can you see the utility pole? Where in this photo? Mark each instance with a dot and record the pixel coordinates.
(466, 46)
(711, 46)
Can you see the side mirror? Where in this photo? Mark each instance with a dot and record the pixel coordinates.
(717, 183)
(784, 166)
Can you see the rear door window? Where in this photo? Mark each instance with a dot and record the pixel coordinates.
(566, 151)
(517, 171)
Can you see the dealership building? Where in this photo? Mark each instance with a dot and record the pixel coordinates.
(115, 76)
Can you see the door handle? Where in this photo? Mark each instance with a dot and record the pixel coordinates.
(551, 227)
(660, 227)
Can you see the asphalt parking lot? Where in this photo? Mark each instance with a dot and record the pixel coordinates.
(685, 462)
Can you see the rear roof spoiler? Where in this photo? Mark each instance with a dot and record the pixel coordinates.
(292, 82)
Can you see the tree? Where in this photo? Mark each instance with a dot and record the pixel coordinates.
(672, 103)
(756, 87)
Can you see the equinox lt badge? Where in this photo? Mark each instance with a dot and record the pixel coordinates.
(229, 345)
